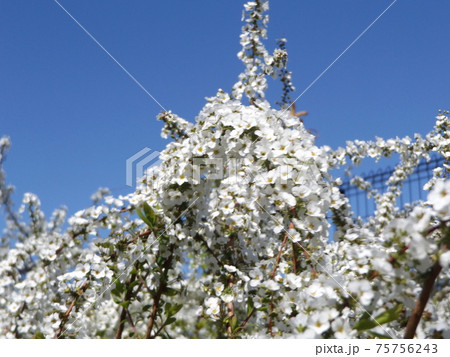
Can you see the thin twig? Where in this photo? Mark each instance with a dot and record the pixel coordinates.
(69, 310)
(294, 260)
(210, 251)
(123, 313)
(157, 297)
(230, 309)
(247, 318)
(308, 256)
(416, 315)
(273, 277)
(130, 320)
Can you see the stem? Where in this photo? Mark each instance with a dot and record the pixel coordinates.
(279, 254)
(307, 257)
(210, 251)
(230, 283)
(123, 313)
(247, 318)
(273, 277)
(157, 297)
(130, 320)
(416, 315)
(230, 308)
(294, 260)
(69, 310)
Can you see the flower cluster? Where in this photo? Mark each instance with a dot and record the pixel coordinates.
(229, 235)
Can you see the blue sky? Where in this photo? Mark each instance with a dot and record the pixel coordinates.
(74, 116)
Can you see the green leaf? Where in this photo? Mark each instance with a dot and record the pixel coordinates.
(39, 335)
(366, 322)
(250, 306)
(170, 292)
(379, 335)
(145, 219)
(170, 320)
(146, 308)
(390, 315)
(125, 304)
(120, 287)
(149, 214)
(173, 309)
(116, 292)
(133, 284)
(160, 261)
(233, 322)
(116, 300)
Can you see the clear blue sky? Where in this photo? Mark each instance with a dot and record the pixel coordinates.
(74, 116)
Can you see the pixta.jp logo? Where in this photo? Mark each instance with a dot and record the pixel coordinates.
(137, 164)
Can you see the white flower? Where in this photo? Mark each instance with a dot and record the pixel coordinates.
(315, 290)
(439, 197)
(319, 322)
(218, 288)
(444, 259)
(293, 281)
(362, 290)
(271, 285)
(212, 301)
(226, 298)
(81, 270)
(98, 271)
(342, 329)
(14, 307)
(230, 268)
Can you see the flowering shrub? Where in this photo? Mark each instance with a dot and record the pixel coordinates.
(229, 235)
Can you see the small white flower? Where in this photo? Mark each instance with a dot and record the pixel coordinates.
(226, 298)
(272, 285)
(230, 268)
(81, 271)
(444, 259)
(212, 301)
(14, 307)
(362, 290)
(218, 288)
(439, 197)
(319, 322)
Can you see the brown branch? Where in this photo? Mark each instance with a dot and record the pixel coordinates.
(294, 260)
(157, 297)
(130, 320)
(143, 283)
(279, 254)
(210, 251)
(392, 258)
(416, 315)
(308, 256)
(74, 235)
(242, 325)
(69, 310)
(247, 318)
(230, 309)
(158, 331)
(230, 284)
(273, 277)
(436, 227)
(123, 313)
